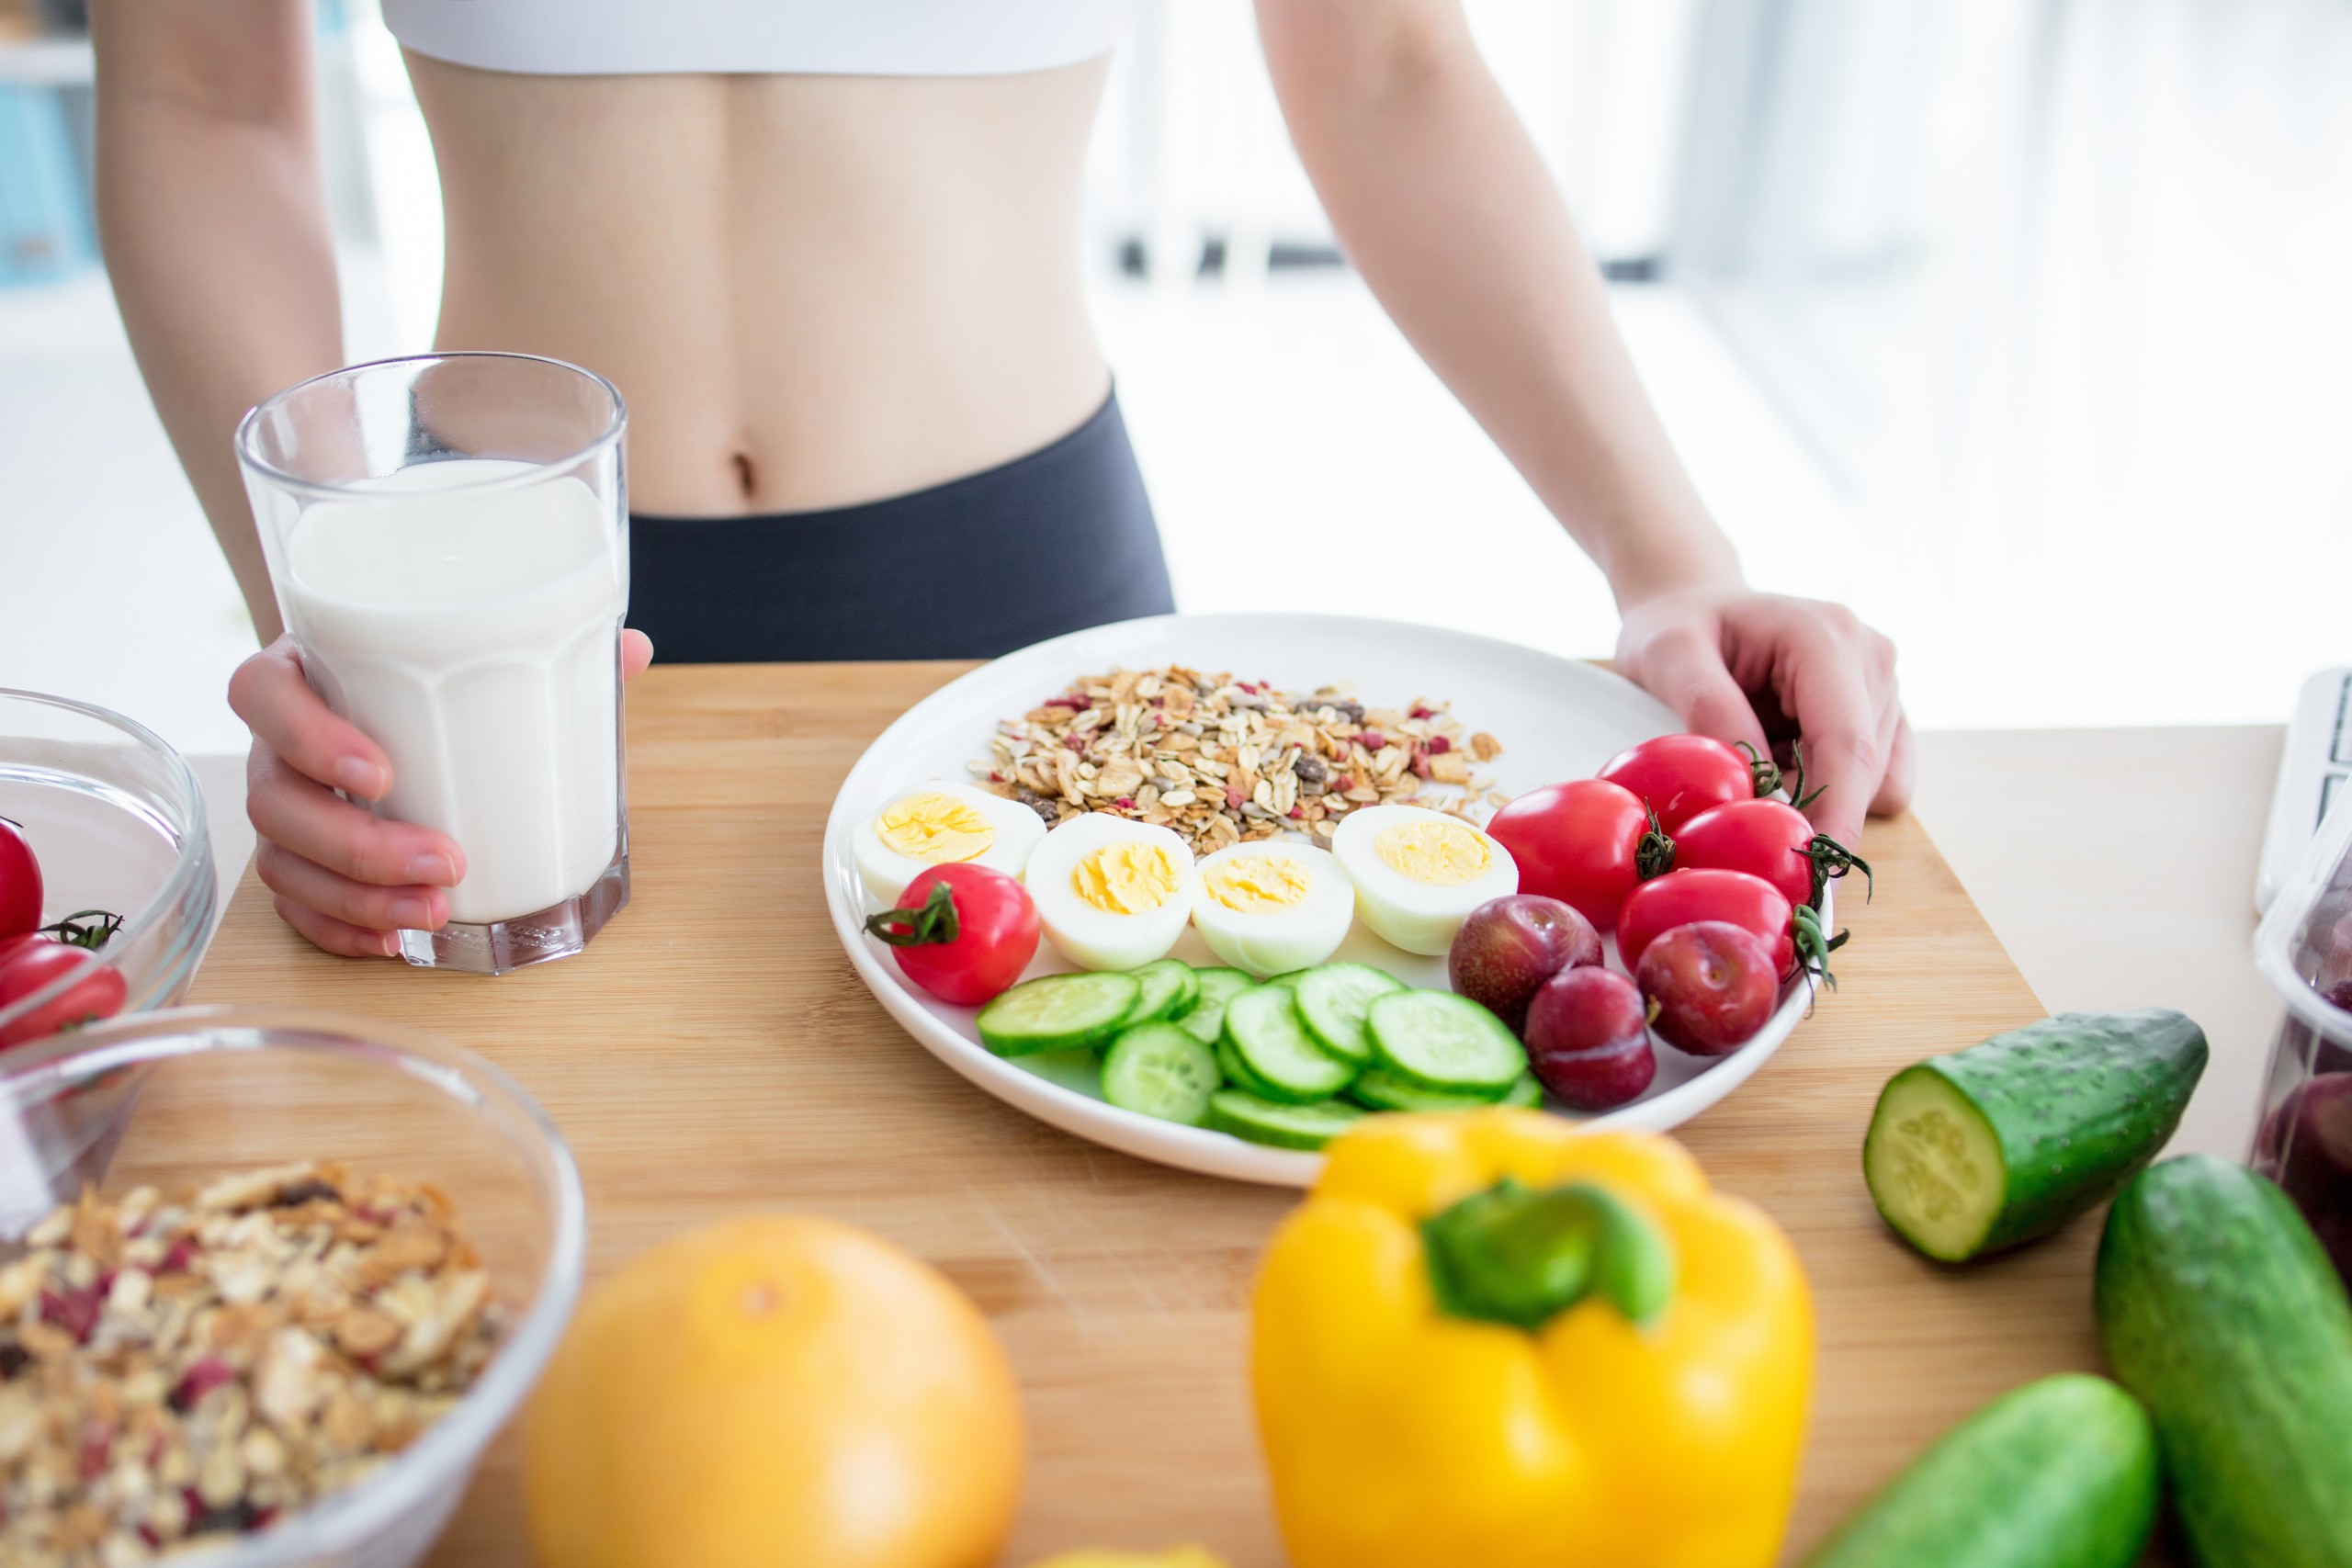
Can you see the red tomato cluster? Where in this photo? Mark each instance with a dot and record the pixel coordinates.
(33, 958)
(1712, 892)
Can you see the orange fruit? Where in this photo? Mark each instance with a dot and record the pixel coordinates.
(774, 1389)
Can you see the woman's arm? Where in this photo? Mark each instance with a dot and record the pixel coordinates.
(1443, 205)
(212, 212)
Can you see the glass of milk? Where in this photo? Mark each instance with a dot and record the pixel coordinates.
(448, 538)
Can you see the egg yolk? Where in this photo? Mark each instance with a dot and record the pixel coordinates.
(1442, 854)
(1125, 878)
(934, 828)
(1257, 885)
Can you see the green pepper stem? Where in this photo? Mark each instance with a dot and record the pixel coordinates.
(1516, 1256)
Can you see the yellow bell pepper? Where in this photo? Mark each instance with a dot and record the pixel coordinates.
(1487, 1339)
(1174, 1557)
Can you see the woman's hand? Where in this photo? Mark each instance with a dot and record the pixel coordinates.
(343, 876)
(1763, 669)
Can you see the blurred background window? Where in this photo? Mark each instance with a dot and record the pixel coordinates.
(2022, 325)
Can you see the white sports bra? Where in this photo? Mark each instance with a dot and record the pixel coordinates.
(833, 37)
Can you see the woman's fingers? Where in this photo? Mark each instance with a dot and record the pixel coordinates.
(1902, 771)
(1828, 693)
(1683, 666)
(343, 877)
(269, 693)
(637, 652)
(319, 825)
(333, 935)
(410, 908)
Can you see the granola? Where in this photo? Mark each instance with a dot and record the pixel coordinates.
(1223, 761)
(185, 1369)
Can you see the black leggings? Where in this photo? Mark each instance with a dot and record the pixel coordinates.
(1049, 543)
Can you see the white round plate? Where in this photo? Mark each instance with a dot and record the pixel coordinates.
(1557, 718)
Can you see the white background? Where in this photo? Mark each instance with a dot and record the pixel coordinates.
(2057, 396)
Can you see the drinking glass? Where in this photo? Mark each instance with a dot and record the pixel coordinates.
(448, 538)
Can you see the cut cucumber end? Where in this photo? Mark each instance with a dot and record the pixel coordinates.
(1934, 1165)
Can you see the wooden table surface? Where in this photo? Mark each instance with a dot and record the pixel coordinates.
(714, 1053)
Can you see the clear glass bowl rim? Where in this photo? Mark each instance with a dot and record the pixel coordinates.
(195, 856)
(2274, 939)
(254, 463)
(444, 1455)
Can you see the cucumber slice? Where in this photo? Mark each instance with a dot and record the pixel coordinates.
(1156, 1070)
(2002, 1142)
(1285, 1061)
(1168, 987)
(1444, 1042)
(1379, 1088)
(1333, 1001)
(1285, 1126)
(1287, 977)
(1056, 1012)
(1236, 1071)
(1204, 1020)
(1525, 1095)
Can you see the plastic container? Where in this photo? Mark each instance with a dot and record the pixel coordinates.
(117, 821)
(2304, 949)
(173, 1099)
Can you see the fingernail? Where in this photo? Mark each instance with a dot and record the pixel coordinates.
(435, 870)
(360, 776)
(413, 914)
(388, 944)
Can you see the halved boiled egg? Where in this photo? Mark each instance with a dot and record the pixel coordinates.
(941, 822)
(1417, 873)
(1112, 894)
(1271, 907)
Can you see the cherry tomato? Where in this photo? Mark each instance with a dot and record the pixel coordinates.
(961, 932)
(30, 964)
(21, 889)
(1682, 776)
(1585, 842)
(1763, 838)
(1680, 898)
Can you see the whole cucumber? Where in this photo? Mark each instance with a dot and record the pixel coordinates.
(2060, 1473)
(2220, 1310)
(2009, 1139)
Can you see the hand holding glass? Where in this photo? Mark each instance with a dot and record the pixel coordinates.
(448, 536)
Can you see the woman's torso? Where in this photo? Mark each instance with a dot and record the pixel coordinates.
(813, 289)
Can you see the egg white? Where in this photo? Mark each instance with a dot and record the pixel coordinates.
(886, 873)
(1098, 939)
(1415, 916)
(1275, 942)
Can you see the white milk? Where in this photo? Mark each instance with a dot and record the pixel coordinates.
(472, 637)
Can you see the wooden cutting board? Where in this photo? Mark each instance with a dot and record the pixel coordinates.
(714, 1053)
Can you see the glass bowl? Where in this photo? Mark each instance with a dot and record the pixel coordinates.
(117, 821)
(170, 1100)
(2304, 949)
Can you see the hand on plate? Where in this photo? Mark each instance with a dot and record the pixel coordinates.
(343, 877)
(1765, 669)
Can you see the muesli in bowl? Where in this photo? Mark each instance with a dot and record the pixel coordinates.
(201, 1364)
(271, 1281)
